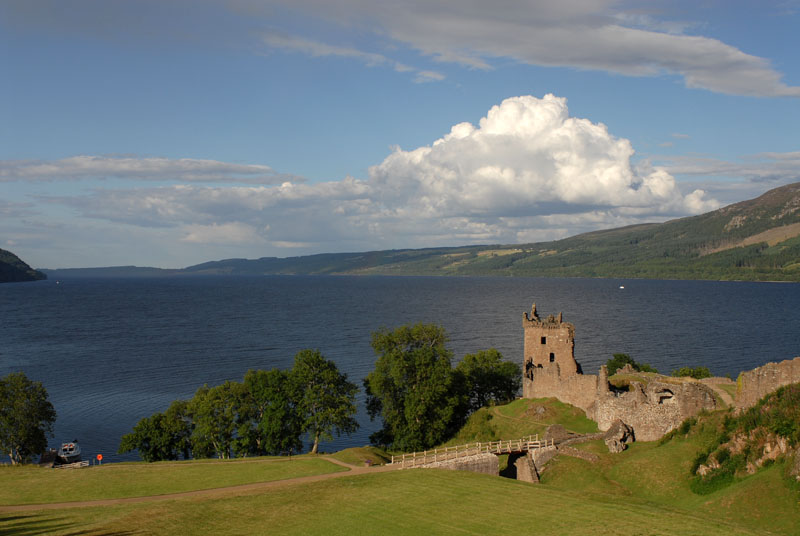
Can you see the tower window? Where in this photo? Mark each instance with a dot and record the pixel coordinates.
(552, 357)
(544, 340)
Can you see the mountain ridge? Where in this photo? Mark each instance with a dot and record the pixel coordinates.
(757, 239)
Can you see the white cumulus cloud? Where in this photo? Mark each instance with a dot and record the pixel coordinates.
(527, 156)
(527, 171)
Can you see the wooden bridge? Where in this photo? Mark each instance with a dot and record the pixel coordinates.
(443, 454)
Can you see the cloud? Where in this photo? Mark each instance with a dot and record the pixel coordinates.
(528, 171)
(14, 210)
(593, 34)
(606, 35)
(148, 169)
(225, 233)
(776, 168)
(318, 49)
(527, 154)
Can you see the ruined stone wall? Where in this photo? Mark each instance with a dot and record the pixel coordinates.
(549, 341)
(757, 383)
(550, 370)
(576, 389)
(652, 410)
(487, 464)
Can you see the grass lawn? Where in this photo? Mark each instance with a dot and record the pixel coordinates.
(36, 485)
(399, 502)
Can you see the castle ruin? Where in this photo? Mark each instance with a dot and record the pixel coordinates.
(653, 404)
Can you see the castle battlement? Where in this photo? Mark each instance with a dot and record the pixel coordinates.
(651, 408)
(549, 344)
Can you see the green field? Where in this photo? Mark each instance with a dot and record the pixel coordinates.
(36, 485)
(642, 491)
(400, 502)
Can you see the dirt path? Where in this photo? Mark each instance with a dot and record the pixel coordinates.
(723, 394)
(225, 491)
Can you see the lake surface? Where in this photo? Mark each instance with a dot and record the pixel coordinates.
(110, 352)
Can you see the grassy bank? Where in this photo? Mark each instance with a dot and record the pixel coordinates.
(36, 485)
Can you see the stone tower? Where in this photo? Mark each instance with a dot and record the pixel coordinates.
(549, 347)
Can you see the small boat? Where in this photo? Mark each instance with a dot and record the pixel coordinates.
(70, 452)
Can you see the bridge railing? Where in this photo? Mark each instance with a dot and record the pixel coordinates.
(442, 454)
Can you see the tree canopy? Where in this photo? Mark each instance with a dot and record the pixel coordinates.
(487, 379)
(265, 414)
(162, 436)
(327, 401)
(270, 422)
(26, 417)
(412, 387)
(697, 373)
(620, 360)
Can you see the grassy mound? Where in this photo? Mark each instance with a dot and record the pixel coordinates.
(520, 418)
(360, 456)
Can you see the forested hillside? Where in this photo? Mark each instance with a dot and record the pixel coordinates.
(13, 269)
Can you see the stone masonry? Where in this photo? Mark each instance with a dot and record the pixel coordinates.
(755, 384)
(652, 406)
(549, 367)
(485, 463)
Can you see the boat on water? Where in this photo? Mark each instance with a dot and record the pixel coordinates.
(70, 452)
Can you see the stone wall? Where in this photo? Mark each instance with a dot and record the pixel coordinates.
(548, 343)
(576, 389)
(487, 464)
(755, 384)
(526, 469)
(653, 409)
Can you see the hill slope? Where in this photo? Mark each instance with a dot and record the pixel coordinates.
(758, 239)
(13, 269)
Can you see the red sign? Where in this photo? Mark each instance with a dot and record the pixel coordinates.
(99, 457)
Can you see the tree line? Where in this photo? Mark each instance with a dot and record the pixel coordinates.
(266, 414)
(421, 399)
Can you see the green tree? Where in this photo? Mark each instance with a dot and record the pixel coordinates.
(162, 436)
(269, 420)
(412, 387)
(327, 401)
(697, 373)
(620, 360)
(26, 417)
(214, 412)
(487, 379)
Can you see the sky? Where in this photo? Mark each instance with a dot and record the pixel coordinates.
(168, 133)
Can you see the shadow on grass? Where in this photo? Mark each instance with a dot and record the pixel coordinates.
(34, 524)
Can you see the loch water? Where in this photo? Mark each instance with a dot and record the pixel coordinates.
(111, 351)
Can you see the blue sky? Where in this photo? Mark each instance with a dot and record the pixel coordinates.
(168, 133)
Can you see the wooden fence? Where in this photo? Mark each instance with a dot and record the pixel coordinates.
(442, 454)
